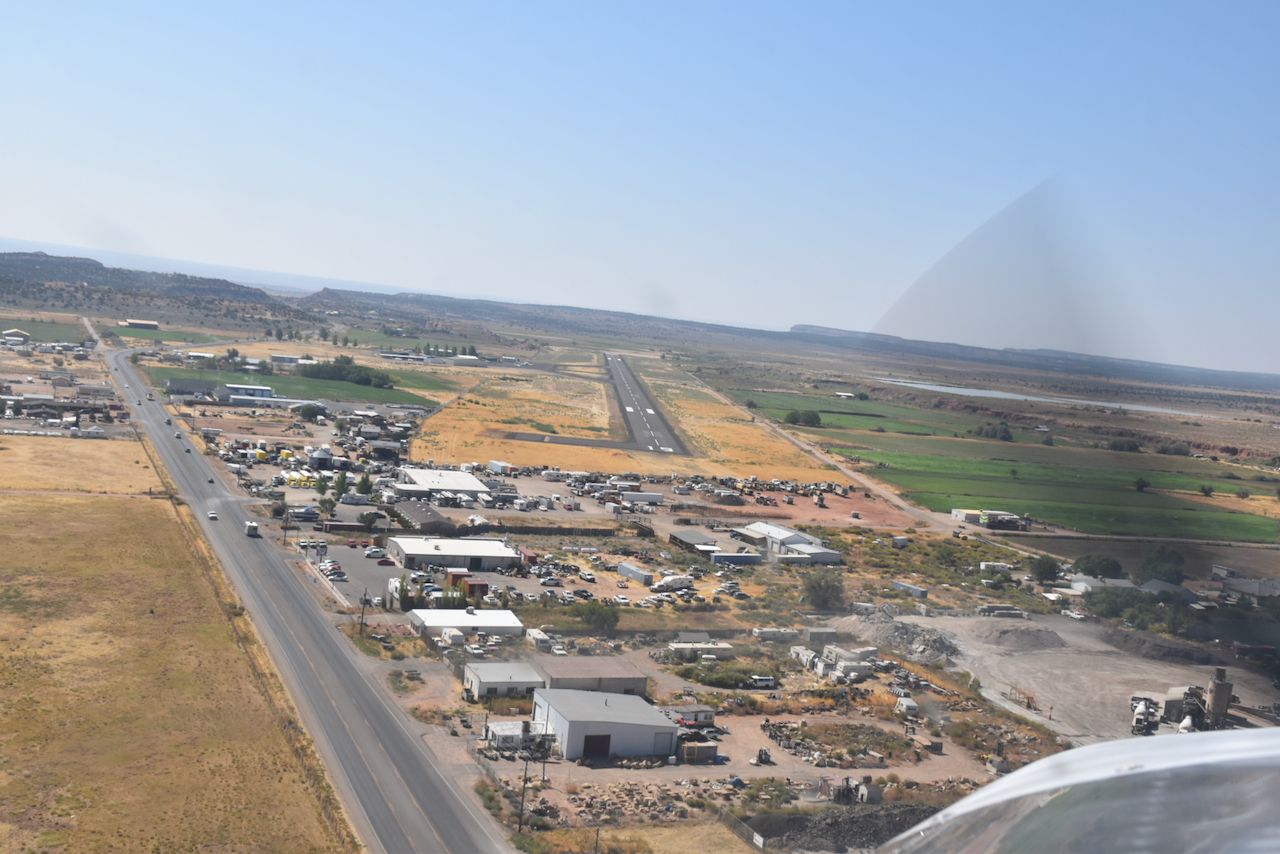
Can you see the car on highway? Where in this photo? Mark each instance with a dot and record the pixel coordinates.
(212, 514)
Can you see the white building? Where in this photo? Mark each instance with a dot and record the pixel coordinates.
(474, 555)
(786, 544)
(239, 390)
(430, 622)
(424, 483)
(484, 679)
(592, 725)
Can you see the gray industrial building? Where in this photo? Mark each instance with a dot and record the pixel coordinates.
(596, 725)
(590, 673)
(484, 679)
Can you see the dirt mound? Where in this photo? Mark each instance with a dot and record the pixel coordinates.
(1161, 649)
(916, 643)
(1020, 638)
(839, 829)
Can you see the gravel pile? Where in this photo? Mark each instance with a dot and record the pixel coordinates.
(916, 643)
(839, 829)
(1020, 638)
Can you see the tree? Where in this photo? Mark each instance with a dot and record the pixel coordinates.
(1045, 569)
(1141, 484)
(598, 616)
(824, 589)
(309, 412)
(751, 404)
(322, 484)
(369, 520)
(364, 486)
(279, 334)
(862, 395)
(1098, 566)
(233, 354)
(328, 505)
(804, 418)
(1242, 493)
(1206, 490)
(345, 341)
(1161, 563)
(341, 486)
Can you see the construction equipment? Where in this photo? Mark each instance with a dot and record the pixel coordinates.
(1145, 715)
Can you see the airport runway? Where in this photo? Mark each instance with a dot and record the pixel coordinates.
(645, 422)
(399, 795)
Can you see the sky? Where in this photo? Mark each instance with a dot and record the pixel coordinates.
(759, 164)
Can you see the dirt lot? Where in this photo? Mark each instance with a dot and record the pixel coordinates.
(130, 716)
(1086, 682)
(85, 465)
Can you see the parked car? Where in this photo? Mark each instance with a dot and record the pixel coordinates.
(621, 600)
(375, 552)
(551, 581)
(386, 561)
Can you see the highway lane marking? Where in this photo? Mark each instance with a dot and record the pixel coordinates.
(650, 411)
(629, 409)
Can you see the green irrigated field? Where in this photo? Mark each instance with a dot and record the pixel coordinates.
(422, 381)
(299, 387)
(870, 415)
(46, 330)
(1085, 489)
(172, 335)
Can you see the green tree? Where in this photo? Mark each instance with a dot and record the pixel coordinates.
(824, 589)
(345, 341)
(804, 418)
(309, 412)
(341, 486)
(1206, 490)
(322, 484)
(369, 519)
(1161, 563)
(598, 616)
(364, 486)
(328, 505)
(1141, 484)
(1098, 566)
(1045, 569)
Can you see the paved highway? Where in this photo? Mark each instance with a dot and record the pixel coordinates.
(648, 427)
(399, 795)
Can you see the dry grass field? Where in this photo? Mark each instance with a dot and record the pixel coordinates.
(682, 838)
(130, 718)
(42, 463)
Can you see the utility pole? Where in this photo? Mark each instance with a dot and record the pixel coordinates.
(363, 600)
(524, 785)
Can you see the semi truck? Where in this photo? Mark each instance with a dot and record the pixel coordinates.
(251, 529)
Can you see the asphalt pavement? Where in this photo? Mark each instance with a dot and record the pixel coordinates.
(646, 423)
(399, 795)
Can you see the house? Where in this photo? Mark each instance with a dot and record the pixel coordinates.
(484, 679)
(424, 483)
(1088, 584)
(430, 622)
(592, 673)
(474, 555)
(721, 650)
(596, 725)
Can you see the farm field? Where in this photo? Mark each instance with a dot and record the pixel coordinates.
(42, 463)
(131, 717)
(1252, 561)
(47, 330)
(156, 336)
(1088, 490)
(300, 387)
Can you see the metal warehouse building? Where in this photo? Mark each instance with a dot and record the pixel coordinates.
(430, 622)
(423, 483)
(593, 725)
(592, 673)
(482, 679)
(476, 555)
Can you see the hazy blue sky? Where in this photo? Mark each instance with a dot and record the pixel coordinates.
(762, 164)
